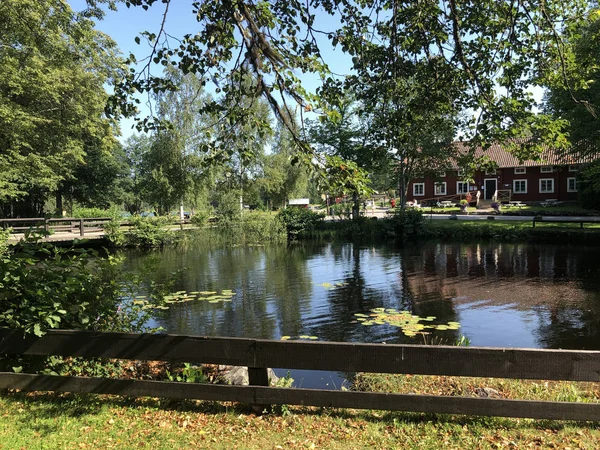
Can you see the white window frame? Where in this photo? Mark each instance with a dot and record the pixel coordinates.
(574, 183)
(460, 172)
(438, 185)
(515, 189)
(458, 183)
(546, 191)
(442, 174)
(546, 169)
(574, 168)
(422, 185)
(520, 170)
(490, 171)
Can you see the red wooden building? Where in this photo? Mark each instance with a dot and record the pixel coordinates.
(554, 177)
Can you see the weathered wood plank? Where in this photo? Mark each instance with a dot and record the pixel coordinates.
(307, 397)
(567, 365)
(258, 376)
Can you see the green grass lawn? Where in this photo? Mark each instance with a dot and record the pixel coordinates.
(52, 421)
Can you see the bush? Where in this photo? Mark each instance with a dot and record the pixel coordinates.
(261, 228)
(89, 213)
(200, 218)
(4, 245)
(45, 287)
(298, 220)
(407, 223)
(341, 210)
(228, 209)
(149, 232)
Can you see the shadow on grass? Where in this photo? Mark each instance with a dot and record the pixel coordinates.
(54, 405)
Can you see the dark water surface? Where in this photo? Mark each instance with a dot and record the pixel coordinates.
(503, 295)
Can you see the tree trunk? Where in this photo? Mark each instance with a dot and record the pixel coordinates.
(59, 203)
(355, 206)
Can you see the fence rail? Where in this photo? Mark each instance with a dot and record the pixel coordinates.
(65, 224)
(259, 354)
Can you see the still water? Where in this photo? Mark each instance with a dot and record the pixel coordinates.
(503, 295)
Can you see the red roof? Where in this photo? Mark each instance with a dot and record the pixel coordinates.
(548, 157)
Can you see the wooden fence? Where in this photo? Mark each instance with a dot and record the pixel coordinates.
(66, 224)
(257, 355)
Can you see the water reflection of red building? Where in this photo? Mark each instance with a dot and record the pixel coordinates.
(496, 273)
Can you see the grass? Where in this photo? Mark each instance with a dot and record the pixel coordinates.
(572, 209)
(68, 421)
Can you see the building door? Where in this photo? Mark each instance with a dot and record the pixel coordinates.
(490, 186)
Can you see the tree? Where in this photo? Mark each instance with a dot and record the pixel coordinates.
(53, 68)
(174, 165)
(490, 51)
(281, 178)
(347, 134)
(102, 180)
(589, 186)
(574, 93)
(242, 143)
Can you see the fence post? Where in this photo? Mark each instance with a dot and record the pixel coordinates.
(258, 376)
(81, 229)
(46, 225)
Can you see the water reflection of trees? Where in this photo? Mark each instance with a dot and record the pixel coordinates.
(278, 289)
(559, 283)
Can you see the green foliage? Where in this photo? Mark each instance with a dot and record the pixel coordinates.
(589, 186)
(149, 232)
(188, 374)
(114, 233)
(89, 213)
(574, 94)
(44, 287)
(4, 245)
(53, 68)
(341, 210)
(298, 221)
(251, 228)
(261, 228)
(228, 208)
(281, 179)
(200, 218)
(407, 223)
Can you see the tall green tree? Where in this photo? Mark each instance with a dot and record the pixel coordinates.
(242, 143)
(136, 147)
(573, 83)
(102, 180)
(53, 68)
(490, 51)
(175, 169)
(347, 133)
(281, 178)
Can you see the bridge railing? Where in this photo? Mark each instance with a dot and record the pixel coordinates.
(66, 224)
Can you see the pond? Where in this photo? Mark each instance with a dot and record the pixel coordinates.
(503, 295)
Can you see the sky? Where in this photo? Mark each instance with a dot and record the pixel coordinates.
(126, 23)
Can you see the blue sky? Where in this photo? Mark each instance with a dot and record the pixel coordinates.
(126, 23)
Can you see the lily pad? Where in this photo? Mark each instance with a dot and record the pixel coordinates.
(410, 324)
